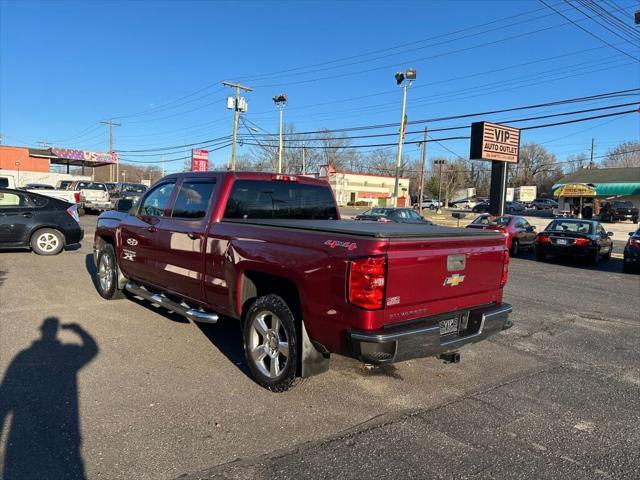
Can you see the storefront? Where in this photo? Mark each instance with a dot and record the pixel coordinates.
(575, 200)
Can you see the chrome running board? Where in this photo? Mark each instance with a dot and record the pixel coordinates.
(195, 315)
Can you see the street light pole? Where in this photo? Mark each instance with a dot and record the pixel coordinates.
(280, 101)
(410, 76)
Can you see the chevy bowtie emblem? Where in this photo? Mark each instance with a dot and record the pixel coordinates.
(454, 280)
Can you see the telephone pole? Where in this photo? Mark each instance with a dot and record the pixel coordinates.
(238, 104)
(304, 159)
(593, 141)
(117, 165)
(424, 158)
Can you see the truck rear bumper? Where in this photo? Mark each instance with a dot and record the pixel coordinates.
(423, 338)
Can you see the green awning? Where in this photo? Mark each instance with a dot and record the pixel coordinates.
(613, 189)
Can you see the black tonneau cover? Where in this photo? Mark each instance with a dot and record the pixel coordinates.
(370, 229)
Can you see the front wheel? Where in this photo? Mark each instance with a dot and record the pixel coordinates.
(634, 219)
(47, 241)
(107, 274)
(271, 343)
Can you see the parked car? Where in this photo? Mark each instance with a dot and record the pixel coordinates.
(481, 207)
(618, 210)
(131, 191)
(34, 221)
(271, 251)
(543, 204)
(94, 196)
(63, 184)
(396, 215)
(431, 204)
(574, 238)
(112, 187)
(518, 232)
(632, 252)
(464, 204)
(514, 208)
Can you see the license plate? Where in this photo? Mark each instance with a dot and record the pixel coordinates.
(561, 241)
(449, 326)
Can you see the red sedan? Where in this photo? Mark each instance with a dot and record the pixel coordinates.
(518, 232)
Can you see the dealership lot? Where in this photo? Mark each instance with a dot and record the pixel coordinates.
(162, 397)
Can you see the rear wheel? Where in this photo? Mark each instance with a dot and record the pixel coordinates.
(47, 241)
(594, 257)
(271, 343)
(515, 248)
(107, 274)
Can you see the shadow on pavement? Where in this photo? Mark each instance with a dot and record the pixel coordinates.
(3, 276)
(613, 265)
(226, 336)
(91, 270)
(39, 406)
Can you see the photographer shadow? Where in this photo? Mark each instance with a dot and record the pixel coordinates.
(39, 406)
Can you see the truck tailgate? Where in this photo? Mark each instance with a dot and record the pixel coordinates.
(430, 270)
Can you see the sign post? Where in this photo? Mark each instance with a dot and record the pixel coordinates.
(499, 144)
(199, 160)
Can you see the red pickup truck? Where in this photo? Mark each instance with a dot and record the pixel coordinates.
(271, 251)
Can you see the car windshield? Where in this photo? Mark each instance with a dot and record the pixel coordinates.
(487, 220)
(134, 188)
(622, 205)
(569, 226)
(91, 186)
(406, 214)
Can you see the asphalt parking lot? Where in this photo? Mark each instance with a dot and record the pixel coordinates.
(121, 390)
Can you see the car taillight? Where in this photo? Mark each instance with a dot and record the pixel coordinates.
(366, 286)
(503, 231)
(543, 239)
(73, 211)
(505, 268)
(634, 242)
(284, 178)
(582, 241)
(76, 197)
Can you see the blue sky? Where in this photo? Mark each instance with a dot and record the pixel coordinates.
(66, 65)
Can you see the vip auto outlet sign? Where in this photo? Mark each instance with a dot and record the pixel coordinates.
(199, 160)
(490, 141)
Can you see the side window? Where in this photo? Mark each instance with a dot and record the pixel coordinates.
(10, 200)
(600, 230)
(38, 201)
(193, 198)
(524, 223)
(156, 202)
(4, 182)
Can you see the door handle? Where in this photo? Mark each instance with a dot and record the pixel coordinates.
(193, 235)
(152, 229)
(27, 214)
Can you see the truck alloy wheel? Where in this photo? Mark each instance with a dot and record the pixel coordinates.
(107, 273)
(270, 343)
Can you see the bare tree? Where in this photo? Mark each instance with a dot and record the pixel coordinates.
(576, 162)
(626, 154)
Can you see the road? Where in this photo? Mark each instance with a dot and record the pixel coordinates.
(158, 397)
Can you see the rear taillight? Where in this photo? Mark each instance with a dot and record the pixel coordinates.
(634, 243)
(73, 211)
(503, 231)
(543, 239)
(582, 241)
(505, 268)
(76, 197)
(366, 286)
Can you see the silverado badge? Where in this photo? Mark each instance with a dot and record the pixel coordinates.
(454, 280)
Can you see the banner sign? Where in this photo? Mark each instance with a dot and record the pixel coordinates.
(575, 190)
(199, 160)
(490, 141)
(82, 155)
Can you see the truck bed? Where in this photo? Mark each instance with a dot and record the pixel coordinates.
(370, 229)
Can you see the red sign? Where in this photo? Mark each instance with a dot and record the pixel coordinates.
(199, 160)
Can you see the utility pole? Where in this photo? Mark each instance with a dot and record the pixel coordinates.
(162, 162)
(424, 158)
(117, 165)
(304, 159)
(440, 163)
(280, 101)
(238, 104)
(593, 140)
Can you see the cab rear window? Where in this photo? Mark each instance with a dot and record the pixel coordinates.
(261, 199)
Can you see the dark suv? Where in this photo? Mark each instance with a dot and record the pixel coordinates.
(618, 210)
(544, 204)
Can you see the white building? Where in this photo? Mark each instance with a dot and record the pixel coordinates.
(376, 190)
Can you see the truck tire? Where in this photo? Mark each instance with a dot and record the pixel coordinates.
(271, 343)
(107, 273)
(47, 241)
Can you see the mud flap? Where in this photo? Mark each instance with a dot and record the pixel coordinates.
(315, 358)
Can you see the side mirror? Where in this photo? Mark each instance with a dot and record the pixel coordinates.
(631, 234)
(609, 234)
(124, 205)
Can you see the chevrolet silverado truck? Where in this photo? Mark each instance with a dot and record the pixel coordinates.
(271, 251)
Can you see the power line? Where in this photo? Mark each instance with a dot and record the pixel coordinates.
(624, 35)
(587, 31)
